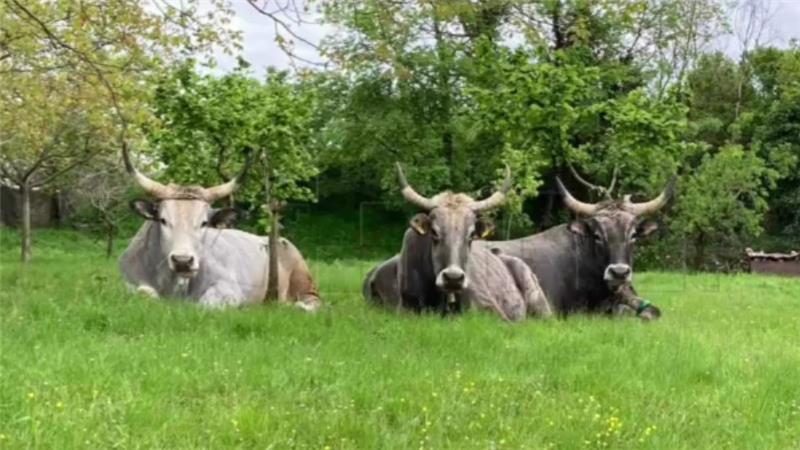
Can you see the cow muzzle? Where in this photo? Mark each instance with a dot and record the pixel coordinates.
(617, 274)
(183, 265)
(452, 279)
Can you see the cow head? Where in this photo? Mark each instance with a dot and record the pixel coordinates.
(181, 215)
(614, 226)
(451, 220)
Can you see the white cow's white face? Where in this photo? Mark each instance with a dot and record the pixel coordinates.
(181, 225)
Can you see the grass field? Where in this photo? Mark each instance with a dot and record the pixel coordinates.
(87, 365)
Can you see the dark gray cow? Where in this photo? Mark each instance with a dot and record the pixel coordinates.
(181, 250)
(437, 268)
(587, 264)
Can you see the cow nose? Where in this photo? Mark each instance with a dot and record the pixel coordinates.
(453, 275)
(619, 271)
(182, 262)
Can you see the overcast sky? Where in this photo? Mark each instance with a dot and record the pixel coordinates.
(261, 50)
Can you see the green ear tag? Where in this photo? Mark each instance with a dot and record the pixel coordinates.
(642, 307)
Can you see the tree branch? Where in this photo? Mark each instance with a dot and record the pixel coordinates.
(63, 171)
(280, 24)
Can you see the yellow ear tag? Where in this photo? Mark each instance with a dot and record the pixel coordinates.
(486, 233)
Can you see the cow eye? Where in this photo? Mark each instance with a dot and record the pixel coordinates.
(204, 224)
(434, 235)
(163, 221)
(597, 236)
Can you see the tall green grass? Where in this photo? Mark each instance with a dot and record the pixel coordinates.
(87, 365)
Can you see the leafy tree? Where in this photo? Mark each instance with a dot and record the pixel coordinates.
(437, 86)
(72, 73)
(722, 205)
(205, 123)
(553, 115)
(51, 126)
(753, 104)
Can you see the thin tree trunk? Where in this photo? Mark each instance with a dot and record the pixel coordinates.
(274, 241)
(274, 235)
(547, 217)
(109, 244)
(111, 231)
(25, 193)
(699, 252)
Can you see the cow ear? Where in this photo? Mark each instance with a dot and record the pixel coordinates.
(421, 223)
(144, 208)
(579, 227)
(645, 228)
(483, 228)
(223, 218)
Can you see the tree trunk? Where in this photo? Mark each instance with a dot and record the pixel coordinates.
(109, 244)
(111, 231)
(25, 193)
(699, 252)
(274, 241)
(559, 40)
(547, 217)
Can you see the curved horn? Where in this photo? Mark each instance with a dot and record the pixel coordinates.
(497, 198)
(573, 204)
(223, 190)
(152, 187)
(655, 204)
(410, 194)
(220, 191)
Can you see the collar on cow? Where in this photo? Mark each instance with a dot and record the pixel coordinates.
(642, 306)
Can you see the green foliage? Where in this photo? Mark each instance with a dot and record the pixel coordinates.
(433, 85)
(209, 126)
(723, 202)
(203, 123)
(552, 114)
(748, 115)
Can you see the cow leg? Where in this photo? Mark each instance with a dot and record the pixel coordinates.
(303, 290)
(626, 301)
(148, 290)
(528, 285)
(410, 301)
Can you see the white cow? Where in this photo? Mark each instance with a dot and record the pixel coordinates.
(182, 251)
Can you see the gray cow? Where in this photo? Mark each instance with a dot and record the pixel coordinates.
(587, 264)
(438, 268)
(183, 250)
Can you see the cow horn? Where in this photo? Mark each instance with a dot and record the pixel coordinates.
(654, 205)
(497, 198)
(223, 190)
(410, 194)
(152, 187)
(577, 206)
(220, 191)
